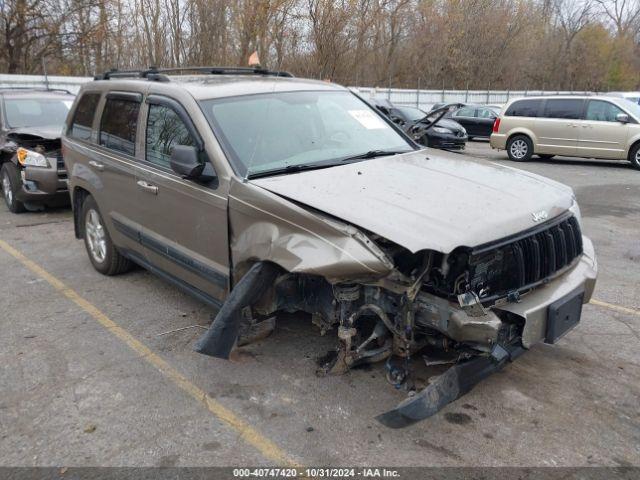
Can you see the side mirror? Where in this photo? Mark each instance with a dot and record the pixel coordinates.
(186, 162)
(622, 118)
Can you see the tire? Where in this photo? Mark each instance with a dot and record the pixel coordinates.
(545, 156)
(634, 156)
(520, 148)
(469, 138)
(11, 182)
(102, 252)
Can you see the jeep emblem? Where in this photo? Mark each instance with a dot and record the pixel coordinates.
(539, 216)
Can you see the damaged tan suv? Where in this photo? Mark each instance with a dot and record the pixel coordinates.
(259, 193)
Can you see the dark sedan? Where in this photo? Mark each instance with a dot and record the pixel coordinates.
(445, 133)
(476, 119)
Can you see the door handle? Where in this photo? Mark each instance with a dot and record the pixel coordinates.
(96, 165)
(147, 187)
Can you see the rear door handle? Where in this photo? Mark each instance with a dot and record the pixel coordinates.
(96, 165)
(147, 187)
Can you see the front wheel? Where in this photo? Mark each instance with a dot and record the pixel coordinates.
(102, 252)
(11, 183)
(634, 156)
(520, 148)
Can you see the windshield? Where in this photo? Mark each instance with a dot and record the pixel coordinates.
(36, 112)
(632, 108)
(412, 113)
(278, 130)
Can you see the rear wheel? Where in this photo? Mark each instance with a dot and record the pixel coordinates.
(634, 156)
(520, 148)
(10, 179)
(102, 252)
(545, 156)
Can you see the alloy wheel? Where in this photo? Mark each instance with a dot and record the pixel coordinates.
(519, 149)
(96, 236)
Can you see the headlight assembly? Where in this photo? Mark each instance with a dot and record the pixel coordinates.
(29, 158)
(442, 130)
(575, 209)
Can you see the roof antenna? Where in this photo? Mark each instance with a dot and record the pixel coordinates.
(46, 77)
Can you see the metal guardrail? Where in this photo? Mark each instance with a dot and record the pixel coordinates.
(419, 98)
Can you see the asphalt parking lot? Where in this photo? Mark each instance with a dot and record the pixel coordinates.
(89, 376)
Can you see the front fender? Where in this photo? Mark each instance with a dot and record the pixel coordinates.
(267, 227)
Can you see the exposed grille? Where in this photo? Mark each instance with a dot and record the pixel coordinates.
(525, 260)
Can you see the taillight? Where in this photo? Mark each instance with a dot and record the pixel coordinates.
(496, 125)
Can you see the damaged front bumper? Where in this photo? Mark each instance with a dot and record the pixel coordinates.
(539, 313)
(378, 320)
(451, 385)
(45, 185)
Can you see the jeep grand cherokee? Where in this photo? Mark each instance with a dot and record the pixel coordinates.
(258, 192)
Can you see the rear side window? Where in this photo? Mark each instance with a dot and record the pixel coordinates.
(465, 112)
(563, 108)
(601, 111)
(83, 116)
(118, 125)
(524, 108)
(486, 113)
(165, 130)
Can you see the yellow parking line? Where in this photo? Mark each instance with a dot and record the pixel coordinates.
(248, 433)
(617, 308)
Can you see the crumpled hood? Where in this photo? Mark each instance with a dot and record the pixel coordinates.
(47, 132)
(422, 200)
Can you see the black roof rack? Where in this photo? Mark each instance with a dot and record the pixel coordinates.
(160, 74)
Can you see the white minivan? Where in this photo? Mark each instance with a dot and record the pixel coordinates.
(573, 126)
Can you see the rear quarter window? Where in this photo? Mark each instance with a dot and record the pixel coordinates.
(524, 108)
(82, 121)
(119, 124)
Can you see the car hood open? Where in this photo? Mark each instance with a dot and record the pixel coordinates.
(422, 200)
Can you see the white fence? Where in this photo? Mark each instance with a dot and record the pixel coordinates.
(72, 84)
(426, 98)
(420, 98)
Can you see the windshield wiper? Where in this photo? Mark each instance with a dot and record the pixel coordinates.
(291, 169)
(373, 154)
(318, 166)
